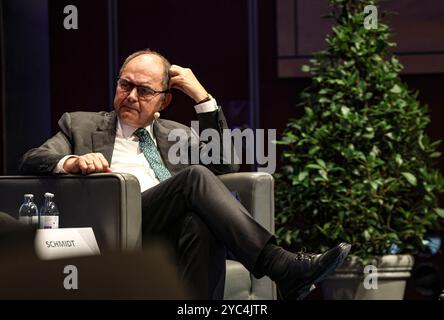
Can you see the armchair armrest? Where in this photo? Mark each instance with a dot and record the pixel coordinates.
(108, 202)
(256, 193)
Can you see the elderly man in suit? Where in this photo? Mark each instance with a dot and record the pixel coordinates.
(185, 203)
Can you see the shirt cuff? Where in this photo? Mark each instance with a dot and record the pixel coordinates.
(208, 106)
(59, 166)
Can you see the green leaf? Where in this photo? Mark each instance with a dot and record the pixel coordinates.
(321, 163)
(313, 166)
(435, 155)
(308, 111)
(305, 68)
(369, 135)
(439, 212)
(421, 145)
(345, 111)
(410, 178)
(302, 175)
(367, 235)
(396, 89)
(323, 174)
(313, 150)
(375, 151)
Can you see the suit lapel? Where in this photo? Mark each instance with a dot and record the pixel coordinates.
(103, 139)
(161, 134)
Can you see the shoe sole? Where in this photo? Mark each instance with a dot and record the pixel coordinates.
(301, 294)
(307, 287)
(305, 291)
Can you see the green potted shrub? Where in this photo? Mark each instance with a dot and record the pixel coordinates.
(358, 166)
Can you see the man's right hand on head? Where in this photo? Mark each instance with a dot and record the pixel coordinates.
(87, 163)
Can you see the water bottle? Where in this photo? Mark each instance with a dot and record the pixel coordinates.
(28, 212)
(49, 214)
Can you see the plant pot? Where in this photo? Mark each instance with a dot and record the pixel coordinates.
(352, 282)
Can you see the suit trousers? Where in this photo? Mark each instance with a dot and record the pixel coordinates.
(195, 210)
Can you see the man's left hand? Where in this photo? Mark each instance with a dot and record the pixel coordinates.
(185, 80)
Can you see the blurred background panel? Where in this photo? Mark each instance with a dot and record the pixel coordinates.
(417, 26)
(25, 78)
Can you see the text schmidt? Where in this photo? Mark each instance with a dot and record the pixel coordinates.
(60, 244)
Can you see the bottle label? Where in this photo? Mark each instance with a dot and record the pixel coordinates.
(25, 219)
(35, 220)
(49, 222)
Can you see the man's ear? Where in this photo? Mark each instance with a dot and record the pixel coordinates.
(166, 101)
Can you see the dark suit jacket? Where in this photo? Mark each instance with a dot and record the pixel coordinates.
(85, 132)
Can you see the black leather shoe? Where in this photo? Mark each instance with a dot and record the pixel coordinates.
(307, 269)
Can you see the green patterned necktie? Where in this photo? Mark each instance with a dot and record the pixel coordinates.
(151, 154)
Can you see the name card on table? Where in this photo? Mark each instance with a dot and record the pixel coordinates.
(65, 243)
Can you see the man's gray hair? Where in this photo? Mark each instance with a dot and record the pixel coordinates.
(166, 64)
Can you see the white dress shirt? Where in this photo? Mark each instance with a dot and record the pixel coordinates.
(127, 156)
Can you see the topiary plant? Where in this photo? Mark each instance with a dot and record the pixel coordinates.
(357, 166)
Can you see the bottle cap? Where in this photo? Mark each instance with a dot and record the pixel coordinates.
(29, 195)
(49, 195)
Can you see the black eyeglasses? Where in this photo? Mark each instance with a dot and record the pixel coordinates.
(143, 92)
